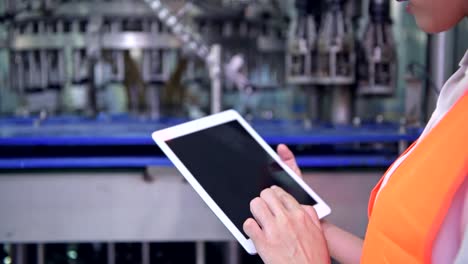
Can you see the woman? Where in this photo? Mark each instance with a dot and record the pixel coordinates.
(418, 212)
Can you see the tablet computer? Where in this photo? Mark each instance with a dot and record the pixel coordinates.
(229, 164)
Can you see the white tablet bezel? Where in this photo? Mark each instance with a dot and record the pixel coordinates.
(161, 136)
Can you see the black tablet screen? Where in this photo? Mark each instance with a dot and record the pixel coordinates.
(233, 168)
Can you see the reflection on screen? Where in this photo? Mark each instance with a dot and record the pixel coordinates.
(233, 168)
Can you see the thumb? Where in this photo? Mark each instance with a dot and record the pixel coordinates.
(288, 158)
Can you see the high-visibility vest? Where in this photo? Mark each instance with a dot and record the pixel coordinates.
(405, 220)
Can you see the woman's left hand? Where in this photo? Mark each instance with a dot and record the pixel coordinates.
(285, 231)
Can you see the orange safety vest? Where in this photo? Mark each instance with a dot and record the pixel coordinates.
(410, 210)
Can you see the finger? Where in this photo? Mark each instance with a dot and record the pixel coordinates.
(253, 230)
(261, 212)
(289, 202)
(288, 158)
(313, 215)
(273, 202)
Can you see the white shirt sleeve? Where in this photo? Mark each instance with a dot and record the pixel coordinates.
(462, 255)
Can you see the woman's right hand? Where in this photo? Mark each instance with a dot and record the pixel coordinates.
(288, 158)
(343, 246)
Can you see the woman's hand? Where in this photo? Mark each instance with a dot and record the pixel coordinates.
(283, 231)
(288, 158)
(343, 246)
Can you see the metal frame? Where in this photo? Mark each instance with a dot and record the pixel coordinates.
(119, 41)
(111, 207)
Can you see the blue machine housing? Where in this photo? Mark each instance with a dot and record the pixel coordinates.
(125, 142)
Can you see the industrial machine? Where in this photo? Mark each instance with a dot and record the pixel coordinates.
(296, 68)
(83, 83)
(150, 57)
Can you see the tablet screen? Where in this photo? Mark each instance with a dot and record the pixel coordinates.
(233, 168)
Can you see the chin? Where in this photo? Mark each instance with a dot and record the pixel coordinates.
(433, 26)
(431, 29)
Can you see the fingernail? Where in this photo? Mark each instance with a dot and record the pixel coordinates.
(274, 187)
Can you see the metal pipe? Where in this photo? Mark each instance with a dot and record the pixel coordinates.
(232, 254)
(110, 253)
(313, 104)
(440, 64)
(341, 105)
(40, 254)
(439, 58)
(145, 253)
(214, 67)
(200, 252)
(19, 254)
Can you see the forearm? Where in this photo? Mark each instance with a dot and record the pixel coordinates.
(343, 246)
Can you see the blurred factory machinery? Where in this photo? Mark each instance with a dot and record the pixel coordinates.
(377, 70)
(155, 58)
(323, 51)
(129, 56)
(87, 56)
(83, 83)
